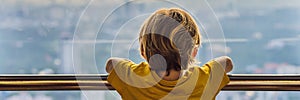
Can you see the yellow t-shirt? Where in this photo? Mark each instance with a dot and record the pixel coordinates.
(137, 82)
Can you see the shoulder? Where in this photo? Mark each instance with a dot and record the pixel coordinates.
(126, 68)
(207, 67)
(111, 63)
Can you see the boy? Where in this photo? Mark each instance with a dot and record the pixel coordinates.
(169, 41)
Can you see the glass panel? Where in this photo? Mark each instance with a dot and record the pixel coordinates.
(59, 95)
(113, 95)
(258, 95)
(32, 34)
(76, 37)
(37, 36)
(270, 33)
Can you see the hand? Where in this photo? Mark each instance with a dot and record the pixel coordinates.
(226, 63)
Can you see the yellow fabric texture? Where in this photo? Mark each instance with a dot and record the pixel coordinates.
(137, 82)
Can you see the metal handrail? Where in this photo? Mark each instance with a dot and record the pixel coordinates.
(238, 82)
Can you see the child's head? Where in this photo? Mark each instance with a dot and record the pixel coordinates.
(173, 34)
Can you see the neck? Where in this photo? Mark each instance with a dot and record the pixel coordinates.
(173, 75)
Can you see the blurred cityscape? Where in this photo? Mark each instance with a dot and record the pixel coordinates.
(78, 36)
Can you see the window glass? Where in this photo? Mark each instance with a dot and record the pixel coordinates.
(78, 36)
(258, 95)
(58, 37)
(268, 34)
(113, 95)
(32, 34)
(59, 95)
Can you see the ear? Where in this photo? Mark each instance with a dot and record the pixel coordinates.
(194, 52)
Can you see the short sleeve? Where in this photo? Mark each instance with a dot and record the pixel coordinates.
(122, 68)
(214, 68)
(216, 81)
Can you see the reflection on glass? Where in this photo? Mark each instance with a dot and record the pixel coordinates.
(262, 37)
(113, 95)
(36, 37)
(257, 95)
(59, 95)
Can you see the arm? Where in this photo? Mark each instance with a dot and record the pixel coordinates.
(111, 62)
(226, 63)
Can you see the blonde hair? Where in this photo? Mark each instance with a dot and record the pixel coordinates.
(171, 33)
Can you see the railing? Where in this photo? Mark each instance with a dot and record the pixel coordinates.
(239, 82)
